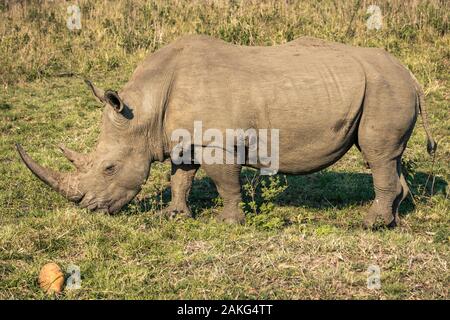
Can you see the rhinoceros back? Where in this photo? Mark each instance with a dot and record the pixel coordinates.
(311, 93)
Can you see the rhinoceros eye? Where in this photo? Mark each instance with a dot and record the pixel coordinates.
(110, 169)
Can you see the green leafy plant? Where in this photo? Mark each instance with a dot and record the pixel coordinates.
(261, 192)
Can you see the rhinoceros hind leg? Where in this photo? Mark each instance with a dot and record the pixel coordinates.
(181, 180)
(385, 127)
(227, 181)
(366, 163)
(389, 193)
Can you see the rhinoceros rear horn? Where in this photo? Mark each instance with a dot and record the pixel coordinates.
(65, 184)
(78, 159)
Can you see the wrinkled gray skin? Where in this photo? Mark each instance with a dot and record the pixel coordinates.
(323, 97)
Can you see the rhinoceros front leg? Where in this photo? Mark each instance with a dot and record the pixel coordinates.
(181, 182)
(227, 180)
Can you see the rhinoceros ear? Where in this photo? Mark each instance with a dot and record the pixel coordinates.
(113, 99)
(98, 93)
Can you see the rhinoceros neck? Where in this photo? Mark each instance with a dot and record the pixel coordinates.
(157, 146)
(150, 101)
(152, 84)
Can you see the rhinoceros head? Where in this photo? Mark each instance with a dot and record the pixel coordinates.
(111, 175)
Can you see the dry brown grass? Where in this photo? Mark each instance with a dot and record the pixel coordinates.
(116, 34)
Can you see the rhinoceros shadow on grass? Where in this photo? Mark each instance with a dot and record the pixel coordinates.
(322, 190)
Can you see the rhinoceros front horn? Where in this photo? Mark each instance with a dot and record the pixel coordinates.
(66, 184)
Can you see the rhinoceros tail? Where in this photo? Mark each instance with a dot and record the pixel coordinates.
(431, 144)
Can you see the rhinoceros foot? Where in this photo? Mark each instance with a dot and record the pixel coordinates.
(175, 211)
(231, 217)
(388, 220)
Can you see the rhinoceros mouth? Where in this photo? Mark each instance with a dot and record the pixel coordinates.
(111, 206)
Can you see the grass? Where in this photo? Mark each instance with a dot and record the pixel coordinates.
(310, 245)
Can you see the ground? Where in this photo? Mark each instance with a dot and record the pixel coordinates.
(306, 243)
